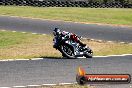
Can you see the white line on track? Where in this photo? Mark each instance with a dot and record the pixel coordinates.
(100, 56)
(34, 33)
(99, 40)
(65, 83)
(92, 39)
(19, 86)
(122, 42)
(21, 59)
(109, 41)
(49, 84)
(23, 32)
(37, 59)
(114, 55)
(13, 31)
(43, 34)
(34, 85)
(3, 30)
(4, 60)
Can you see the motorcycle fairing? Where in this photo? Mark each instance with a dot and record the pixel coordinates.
(76, 48)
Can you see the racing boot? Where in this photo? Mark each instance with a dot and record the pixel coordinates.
(83, 45)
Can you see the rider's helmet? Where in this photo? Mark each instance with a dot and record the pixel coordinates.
(56, 31)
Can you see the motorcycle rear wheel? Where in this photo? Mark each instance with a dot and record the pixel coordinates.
(67, 51)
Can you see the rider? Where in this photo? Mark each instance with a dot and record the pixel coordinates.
(74, 37)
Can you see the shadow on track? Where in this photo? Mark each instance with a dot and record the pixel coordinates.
(56, 57)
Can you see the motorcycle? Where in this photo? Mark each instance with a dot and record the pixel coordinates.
(70, 48)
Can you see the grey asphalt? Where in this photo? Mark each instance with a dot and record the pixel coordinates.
(47, 70)
(109, 33)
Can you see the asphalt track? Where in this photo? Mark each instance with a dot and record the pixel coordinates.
(50, 71)
(53, 71)
(92, 31)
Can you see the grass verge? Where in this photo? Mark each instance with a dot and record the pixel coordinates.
(18, 45)
(68, 86)
(95, 15)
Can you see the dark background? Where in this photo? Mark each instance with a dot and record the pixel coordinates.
(71, 3)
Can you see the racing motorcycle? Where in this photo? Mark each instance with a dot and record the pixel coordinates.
(70, 48)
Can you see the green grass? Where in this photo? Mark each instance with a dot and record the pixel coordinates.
(18, 45)
(8, 39)
(94, 15)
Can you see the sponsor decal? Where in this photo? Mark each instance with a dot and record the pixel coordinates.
(83, 78)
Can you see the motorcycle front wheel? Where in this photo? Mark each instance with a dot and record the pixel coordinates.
(89, 53)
